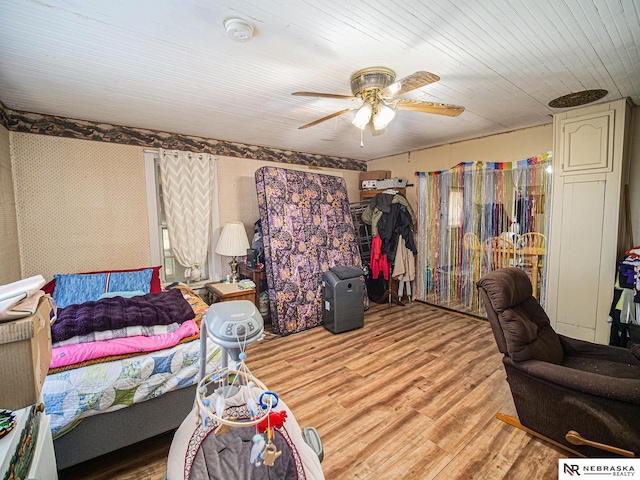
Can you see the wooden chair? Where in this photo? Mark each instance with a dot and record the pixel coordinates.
(511, 236)
(532, 240)
(530, 252)
(498, 253)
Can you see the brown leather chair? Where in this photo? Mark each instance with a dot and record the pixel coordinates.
(581, 396)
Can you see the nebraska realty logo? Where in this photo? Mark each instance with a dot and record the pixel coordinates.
(594, 468)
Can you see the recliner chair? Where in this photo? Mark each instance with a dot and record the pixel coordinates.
(581, 396)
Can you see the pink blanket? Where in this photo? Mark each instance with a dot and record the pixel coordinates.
(81, 352)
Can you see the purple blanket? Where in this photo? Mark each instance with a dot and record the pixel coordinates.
(161, 308)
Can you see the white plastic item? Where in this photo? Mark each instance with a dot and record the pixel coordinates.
(13, 293)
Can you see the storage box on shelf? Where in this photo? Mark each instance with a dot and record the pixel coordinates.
(390, 183)
(367, 194)
(374, 175)
(25, 350)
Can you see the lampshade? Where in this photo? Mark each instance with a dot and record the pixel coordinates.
(233, 240)
(383, 116)
(363, 115)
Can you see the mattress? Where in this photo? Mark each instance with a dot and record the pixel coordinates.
(307, 229)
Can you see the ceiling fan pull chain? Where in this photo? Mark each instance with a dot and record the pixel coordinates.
(361, 142)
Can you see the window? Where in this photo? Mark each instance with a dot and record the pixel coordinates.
(161, 253)
(455, 208)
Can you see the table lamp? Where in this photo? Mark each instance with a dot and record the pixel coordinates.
(233, 243)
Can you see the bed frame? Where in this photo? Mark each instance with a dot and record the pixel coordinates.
(107, 432)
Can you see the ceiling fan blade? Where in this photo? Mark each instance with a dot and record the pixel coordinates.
(328, 117)
(408, 83)
(427, 107)
(324, 95)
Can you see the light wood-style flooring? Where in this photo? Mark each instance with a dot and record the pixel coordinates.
(412, 395)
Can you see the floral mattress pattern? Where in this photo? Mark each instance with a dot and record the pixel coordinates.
(307, 229)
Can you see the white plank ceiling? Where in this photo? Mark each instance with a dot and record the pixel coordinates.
(169, 65)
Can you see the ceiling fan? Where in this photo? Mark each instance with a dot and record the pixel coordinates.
(376, 87)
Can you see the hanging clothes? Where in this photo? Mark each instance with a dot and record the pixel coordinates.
(381, 204)
(398, 222)
(378, 261)
(404, 268)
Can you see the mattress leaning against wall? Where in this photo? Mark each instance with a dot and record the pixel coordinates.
(307, 229)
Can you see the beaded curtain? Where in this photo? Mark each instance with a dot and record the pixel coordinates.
(472, 218)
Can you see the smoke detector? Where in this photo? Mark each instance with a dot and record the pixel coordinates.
(238, 29)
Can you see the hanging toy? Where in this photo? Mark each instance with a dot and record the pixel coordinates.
(273, 420)
(270, 454)
(272, 397)
(257, 450)
(220, 403)
(252, 407)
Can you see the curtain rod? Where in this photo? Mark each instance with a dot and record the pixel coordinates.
(155, 150)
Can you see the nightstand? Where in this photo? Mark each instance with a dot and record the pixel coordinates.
(224, 292)
(256, 275)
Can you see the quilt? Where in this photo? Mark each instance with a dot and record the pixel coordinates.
(307, 229)
(111, 383)
(71, 395)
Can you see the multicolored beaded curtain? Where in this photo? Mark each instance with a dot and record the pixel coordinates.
(477, 217)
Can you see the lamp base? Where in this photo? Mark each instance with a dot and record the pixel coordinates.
(234, 270)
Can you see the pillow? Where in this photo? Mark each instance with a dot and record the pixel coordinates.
(155, 285)
(133, 293)
(129, 281)
(78, 288)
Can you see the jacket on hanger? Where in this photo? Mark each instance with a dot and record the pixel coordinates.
(404, 268)
(378, 261)
(398, 222)
(381, 204)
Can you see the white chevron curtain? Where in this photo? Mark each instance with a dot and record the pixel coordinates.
(190, 196)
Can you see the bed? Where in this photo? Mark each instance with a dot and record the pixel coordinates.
(307, 229)
(124, 365)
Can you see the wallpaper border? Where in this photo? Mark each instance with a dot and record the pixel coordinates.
(28, 122)
(4, 115)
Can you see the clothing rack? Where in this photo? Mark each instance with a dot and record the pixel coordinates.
(364, 238)
(391, 295)
(363, 232)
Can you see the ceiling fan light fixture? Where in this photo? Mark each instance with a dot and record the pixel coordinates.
(368, 78)
(363, 116)
(383, 117)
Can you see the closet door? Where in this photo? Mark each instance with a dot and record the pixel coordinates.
(589, 174)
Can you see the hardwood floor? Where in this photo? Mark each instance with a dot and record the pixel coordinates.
(412, 395)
